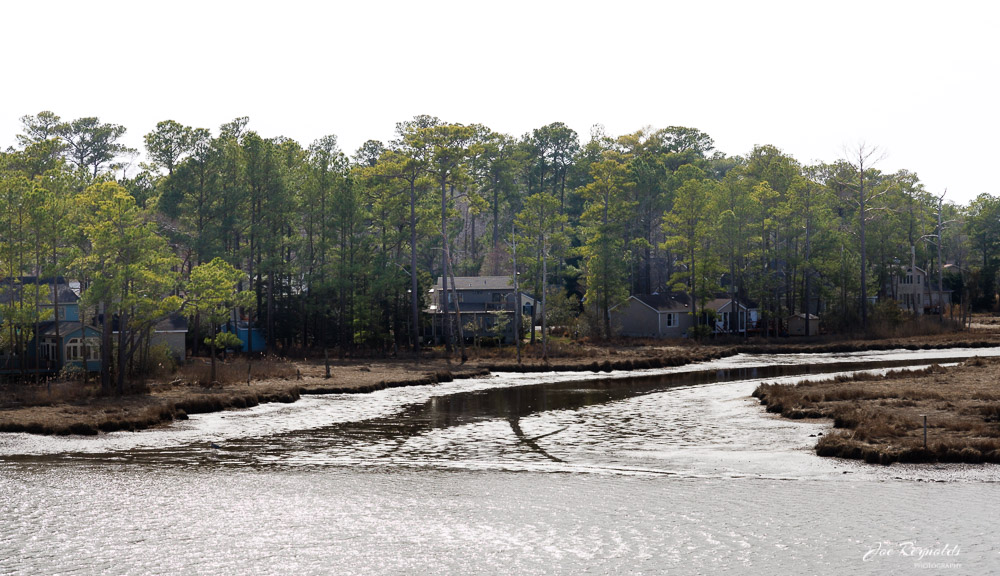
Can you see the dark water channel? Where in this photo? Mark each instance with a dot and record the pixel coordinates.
(513, 404)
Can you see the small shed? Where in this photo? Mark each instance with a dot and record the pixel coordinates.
(797, 324)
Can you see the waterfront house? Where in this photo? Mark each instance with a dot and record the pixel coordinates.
(80, 344)
(916, 292)
(653, 316)
(12, 292)
(172, 333)
(484, 303)
(731, 316)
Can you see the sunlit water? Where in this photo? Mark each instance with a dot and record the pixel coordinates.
(519, 473)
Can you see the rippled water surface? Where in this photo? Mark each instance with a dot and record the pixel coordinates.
(678, 470)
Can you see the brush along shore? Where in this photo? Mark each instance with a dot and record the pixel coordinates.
(880, 419)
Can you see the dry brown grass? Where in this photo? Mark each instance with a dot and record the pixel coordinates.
(45, 393)
(237, 370)
(882, 416)
(916, 327)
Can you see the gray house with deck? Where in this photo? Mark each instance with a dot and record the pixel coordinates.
(486, 303)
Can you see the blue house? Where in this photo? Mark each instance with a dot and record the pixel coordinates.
(81, 346)
(73, 336)
(12, 292)
(80, 343)
(246, 333)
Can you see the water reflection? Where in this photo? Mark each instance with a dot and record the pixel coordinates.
(512, 404)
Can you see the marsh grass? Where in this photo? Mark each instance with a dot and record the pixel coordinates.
(912, 327)
(234, 371)
(46, 393)
(880, 418)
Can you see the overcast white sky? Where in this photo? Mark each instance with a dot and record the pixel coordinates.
(917, 79)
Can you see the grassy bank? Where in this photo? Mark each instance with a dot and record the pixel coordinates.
(880, 419)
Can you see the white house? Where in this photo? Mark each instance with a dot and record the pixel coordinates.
(913, 290)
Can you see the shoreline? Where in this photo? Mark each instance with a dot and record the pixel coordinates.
(172, 402)
(167, 402)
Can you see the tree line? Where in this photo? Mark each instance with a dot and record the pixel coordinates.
(338, 251)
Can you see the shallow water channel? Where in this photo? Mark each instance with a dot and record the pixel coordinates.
(673, 470)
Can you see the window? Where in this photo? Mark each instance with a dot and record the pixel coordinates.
(93, 349)
(671, 320)
(73, 349)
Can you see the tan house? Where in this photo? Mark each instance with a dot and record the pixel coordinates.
(172, 332)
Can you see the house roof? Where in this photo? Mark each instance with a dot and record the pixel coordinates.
(479, 283)
(176, 322)
(664, 302)
(11, 289)
(802, 315)
(65, 328)
(719, 303)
